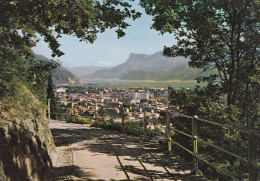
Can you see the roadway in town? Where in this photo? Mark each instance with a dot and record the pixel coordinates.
(88, 153)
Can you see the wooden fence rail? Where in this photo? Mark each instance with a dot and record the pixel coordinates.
(253, 140)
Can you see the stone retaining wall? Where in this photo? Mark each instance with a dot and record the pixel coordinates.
(26, 148)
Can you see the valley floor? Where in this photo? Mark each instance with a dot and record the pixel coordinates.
(142, 83)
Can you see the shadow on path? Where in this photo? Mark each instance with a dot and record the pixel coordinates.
(99, 141)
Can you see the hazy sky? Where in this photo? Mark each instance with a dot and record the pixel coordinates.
(107, 50)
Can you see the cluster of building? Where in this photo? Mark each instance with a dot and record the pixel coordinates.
(133, 103)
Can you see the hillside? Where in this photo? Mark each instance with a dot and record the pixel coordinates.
(139, 62)
(60, 75)
(180, 72)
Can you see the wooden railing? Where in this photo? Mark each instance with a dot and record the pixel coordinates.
(253, 141)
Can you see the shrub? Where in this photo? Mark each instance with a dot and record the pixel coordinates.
(77, 119)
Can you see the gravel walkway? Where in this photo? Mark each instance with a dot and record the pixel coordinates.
(87, 153)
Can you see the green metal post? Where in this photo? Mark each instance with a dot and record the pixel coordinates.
(168, 131)
(252, 157)
(49, 108)
(195, 144)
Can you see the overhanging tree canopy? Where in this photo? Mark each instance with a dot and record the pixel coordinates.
(20, 20)
(222, 34)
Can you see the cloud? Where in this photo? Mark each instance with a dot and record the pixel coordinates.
(106, 63)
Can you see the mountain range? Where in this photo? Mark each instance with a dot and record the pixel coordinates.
(150, 64)
(137, 67)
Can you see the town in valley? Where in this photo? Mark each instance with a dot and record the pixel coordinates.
(107, 104)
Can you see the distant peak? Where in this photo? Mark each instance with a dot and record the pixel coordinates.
(137, 57)
(137, 54)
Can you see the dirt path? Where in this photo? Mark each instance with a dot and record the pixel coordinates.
(87, 153)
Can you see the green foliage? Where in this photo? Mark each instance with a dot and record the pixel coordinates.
(214, 34)
(223, 35)
(205, 103)
(79, 90)
(133, 128)
(15, 90)
(106, 111)
(22, 99)
(227, 139)
(107, 125)
(22, 20)
(206, 107)
(77, 119)
(189, 101)
(8, 71)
